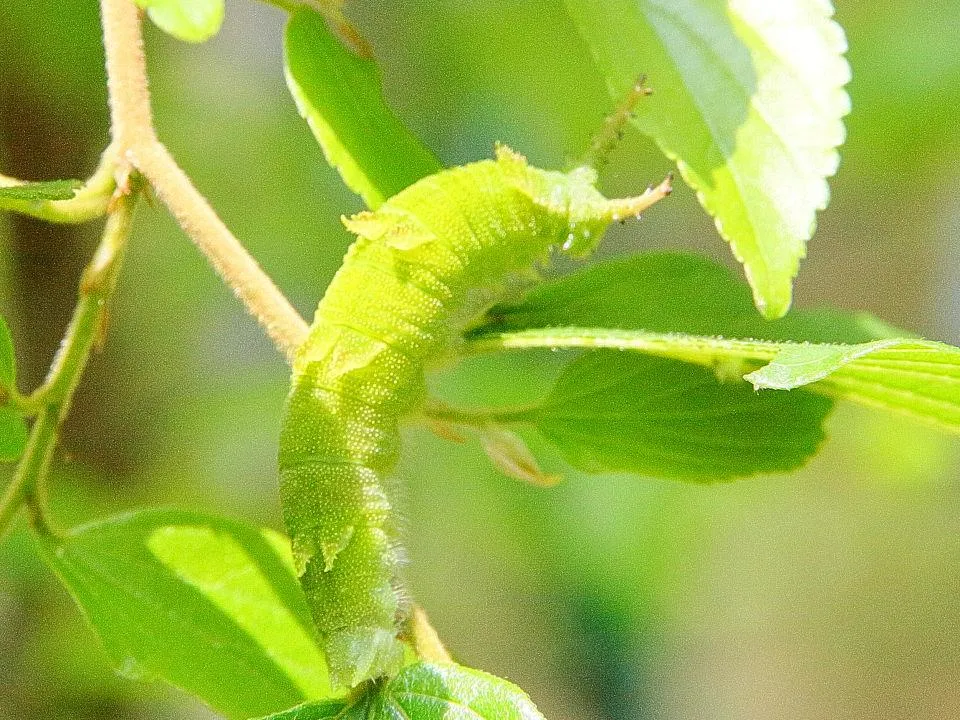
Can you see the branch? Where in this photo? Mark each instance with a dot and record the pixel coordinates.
(137, 143)
(228, 257)
(131, 122)
(89, 317)
(134, 146)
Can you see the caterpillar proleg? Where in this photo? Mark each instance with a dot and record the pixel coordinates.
(425, 264)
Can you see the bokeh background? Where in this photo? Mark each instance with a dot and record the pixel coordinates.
(833, 592)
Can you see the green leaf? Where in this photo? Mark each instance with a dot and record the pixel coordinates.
(206, 604)
(748, 99)
(324, 710)
(340, 96)
(13, 434)
(8, 360)
(919, 378)
(621, 412)
(428, 692)
(673, 292)
(44, 190)
(188, 20)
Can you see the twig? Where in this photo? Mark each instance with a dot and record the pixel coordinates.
(131, 122)
(137, 144)
(109, 190)
(229, 258)
(96, 286)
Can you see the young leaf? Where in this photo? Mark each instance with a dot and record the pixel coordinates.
(678, 293)
(339, 94)
(911, 376)
(510, 455)
(428, 692)
(43, 190)
(188, 20)
(748, 99)
(919, 378)
(206, 604)
(8, 360)
(13, 434)
(621, 412)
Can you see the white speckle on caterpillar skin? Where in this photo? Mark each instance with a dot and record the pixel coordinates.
(427, 263)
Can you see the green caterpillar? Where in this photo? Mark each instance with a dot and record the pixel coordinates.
(429, 261)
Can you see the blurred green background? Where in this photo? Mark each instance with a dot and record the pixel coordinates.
(834, 592)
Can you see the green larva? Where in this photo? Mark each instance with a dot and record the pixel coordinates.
(424, 265)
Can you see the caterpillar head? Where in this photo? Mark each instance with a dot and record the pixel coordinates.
(573, 198)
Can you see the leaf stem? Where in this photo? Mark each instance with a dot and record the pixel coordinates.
(88, 203)
(333, 14)
(701, 350)
(479, 418)
(85, 330)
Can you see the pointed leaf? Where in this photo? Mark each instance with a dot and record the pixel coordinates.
(748, 99)
(919, 378)
(428, 692)
(622, 412)
(324, 710)
(43, 190)
(188, 20)
(340, 96)
(206, 604)
(916, 377)
(673, 292)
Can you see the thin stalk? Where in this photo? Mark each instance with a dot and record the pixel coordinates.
(85, 330)
(131, 122)
(479, 418)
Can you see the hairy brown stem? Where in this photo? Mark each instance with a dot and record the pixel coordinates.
(232, 262)
(136, 143)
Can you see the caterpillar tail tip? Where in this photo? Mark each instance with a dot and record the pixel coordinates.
(355, 655)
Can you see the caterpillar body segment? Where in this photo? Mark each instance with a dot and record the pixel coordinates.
(426, 263)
